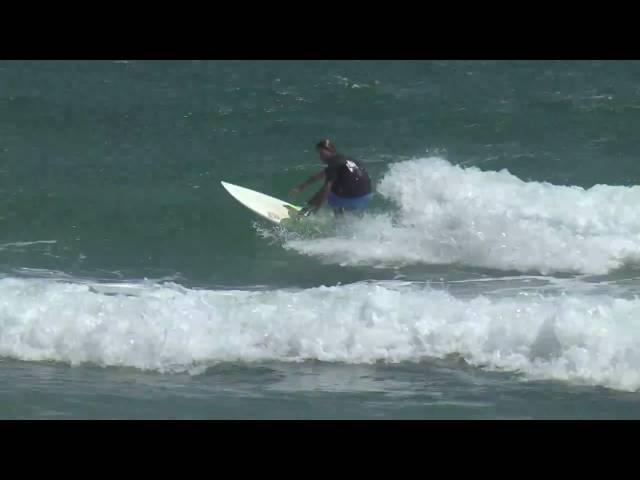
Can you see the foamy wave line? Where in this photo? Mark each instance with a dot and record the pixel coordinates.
(447, 214)
(592, 339)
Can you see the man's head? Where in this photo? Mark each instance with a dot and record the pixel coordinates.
(325, 149)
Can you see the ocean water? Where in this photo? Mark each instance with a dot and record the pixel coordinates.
(496, 274)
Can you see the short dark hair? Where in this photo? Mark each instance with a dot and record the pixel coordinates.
(326, 144)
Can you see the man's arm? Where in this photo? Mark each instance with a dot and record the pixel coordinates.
(321, 196)
(307, 182)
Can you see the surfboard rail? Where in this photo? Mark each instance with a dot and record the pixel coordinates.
(268, 207)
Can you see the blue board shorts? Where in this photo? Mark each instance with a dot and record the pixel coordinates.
(356, 203)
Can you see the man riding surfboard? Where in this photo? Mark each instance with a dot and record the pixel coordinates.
(347, 185)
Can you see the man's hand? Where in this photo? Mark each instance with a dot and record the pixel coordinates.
(305, 211)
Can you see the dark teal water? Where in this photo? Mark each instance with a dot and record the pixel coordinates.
(495, 275)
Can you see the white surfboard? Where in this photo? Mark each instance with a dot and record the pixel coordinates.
(271, 208)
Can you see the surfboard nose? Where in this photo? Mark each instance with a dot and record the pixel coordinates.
(271, 208)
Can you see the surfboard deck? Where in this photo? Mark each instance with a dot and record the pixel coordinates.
(271, 208)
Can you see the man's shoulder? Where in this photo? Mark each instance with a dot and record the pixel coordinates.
(340, 159)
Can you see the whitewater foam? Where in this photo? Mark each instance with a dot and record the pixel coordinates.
(589, 339)
(448, 214)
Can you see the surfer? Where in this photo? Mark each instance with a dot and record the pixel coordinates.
(347, 185)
